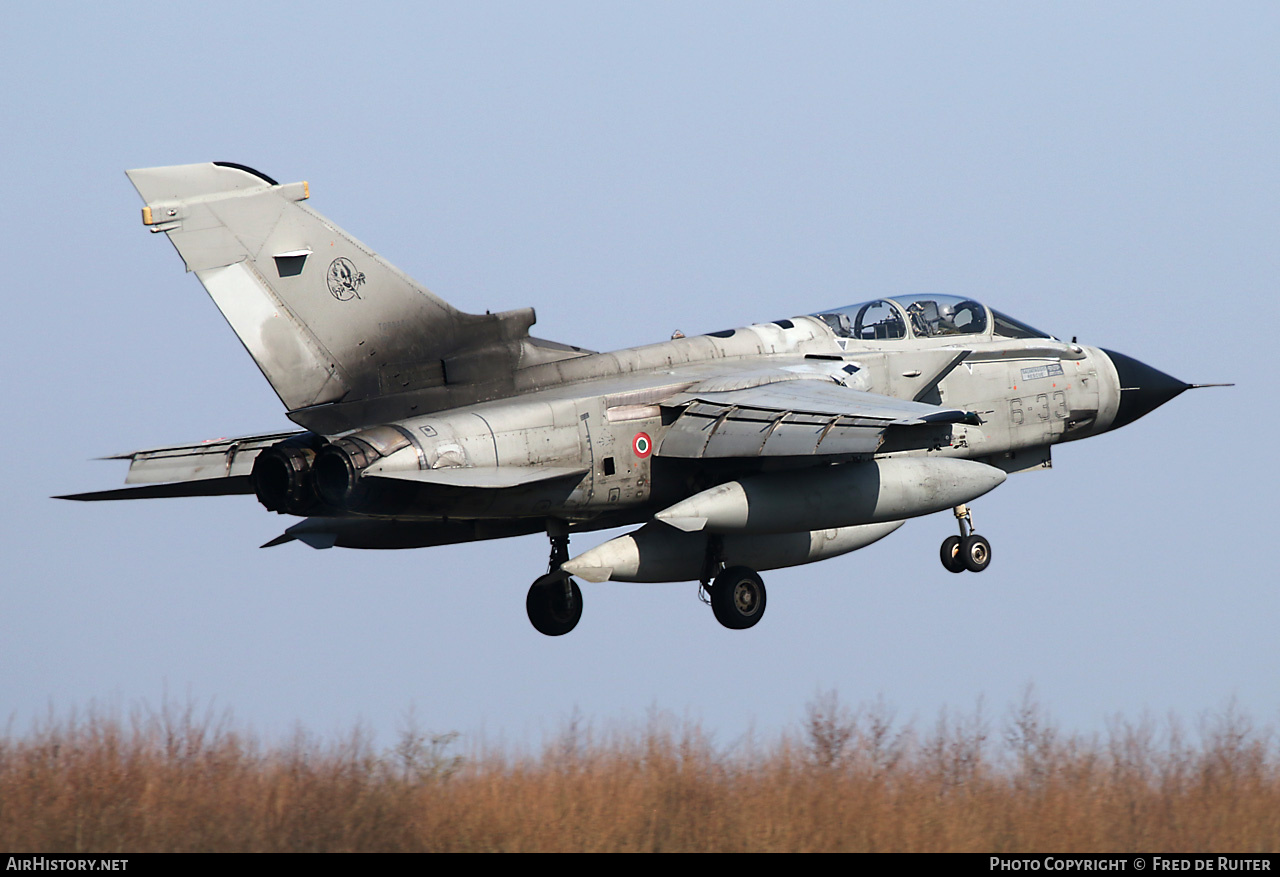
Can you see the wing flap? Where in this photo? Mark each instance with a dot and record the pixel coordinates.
(220, 458)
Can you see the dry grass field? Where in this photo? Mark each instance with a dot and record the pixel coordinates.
(845, 780)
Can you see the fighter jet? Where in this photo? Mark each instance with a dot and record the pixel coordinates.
(762, 447)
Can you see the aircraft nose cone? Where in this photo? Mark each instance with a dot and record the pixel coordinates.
(1142, 388)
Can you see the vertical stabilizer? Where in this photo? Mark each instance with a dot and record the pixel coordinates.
(324, 317)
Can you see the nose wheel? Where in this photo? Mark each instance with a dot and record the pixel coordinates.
(968, 551)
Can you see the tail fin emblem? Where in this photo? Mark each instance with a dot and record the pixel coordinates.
(344, 279)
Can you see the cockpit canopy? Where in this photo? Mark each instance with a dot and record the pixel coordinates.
(922, 316)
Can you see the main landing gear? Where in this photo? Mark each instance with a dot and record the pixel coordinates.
(737, 594)
(554, 603)
(968, 551)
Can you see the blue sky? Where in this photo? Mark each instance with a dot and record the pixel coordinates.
(1102, 170)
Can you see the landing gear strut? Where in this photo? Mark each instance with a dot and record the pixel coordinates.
(968, 551)
(554, 602)
(737, 595)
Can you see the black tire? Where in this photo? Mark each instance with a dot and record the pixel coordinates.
(950, 554)
(976, 553)
(738, 598)
(549, 612)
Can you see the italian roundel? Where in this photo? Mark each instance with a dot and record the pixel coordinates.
(642, 444)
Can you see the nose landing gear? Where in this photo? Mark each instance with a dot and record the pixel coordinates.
(968, 551)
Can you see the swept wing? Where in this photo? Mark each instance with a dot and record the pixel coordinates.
(211, 468)
(793, 418)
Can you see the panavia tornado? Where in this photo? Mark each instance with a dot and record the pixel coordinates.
(757, 448)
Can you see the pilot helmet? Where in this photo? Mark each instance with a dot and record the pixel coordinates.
(947, 315)
(931, 317)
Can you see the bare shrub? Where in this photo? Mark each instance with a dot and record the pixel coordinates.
(955, 752)
(853, 779)
(420, 756)
(830, 728)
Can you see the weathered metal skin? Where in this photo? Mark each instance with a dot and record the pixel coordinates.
(768, 445)
(553, 428)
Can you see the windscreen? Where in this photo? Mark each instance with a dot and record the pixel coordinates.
(1008, 327)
